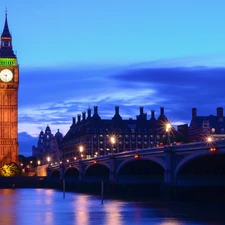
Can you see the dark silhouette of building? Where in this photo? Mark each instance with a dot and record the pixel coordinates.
(92, 136)
(182, 134)
(203, 126)
(48, 146)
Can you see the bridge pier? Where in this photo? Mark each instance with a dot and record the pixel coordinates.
(168, 189)
(112, 172)
(62, 172)
(81, 171)
(112, 175)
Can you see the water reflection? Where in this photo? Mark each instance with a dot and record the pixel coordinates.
(172, 222)
(81, 210)
(113, 213)
(6, 202)
(48, 207)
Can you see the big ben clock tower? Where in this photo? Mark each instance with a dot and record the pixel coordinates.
(9, 83)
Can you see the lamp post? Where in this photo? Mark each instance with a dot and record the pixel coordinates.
(39, 162)
(81, 149)
(31, 164)
(112, 141)
(168, 129)
(209, 139)
(48, 160)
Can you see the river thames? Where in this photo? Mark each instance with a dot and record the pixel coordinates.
(50, 207)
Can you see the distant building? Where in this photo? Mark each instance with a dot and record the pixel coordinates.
(203, 126)
(92, 136)
(48, 146)
(182, 135)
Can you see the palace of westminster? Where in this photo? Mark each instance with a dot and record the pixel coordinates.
(90, 135)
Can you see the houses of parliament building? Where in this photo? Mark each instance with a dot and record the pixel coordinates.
(91, 136)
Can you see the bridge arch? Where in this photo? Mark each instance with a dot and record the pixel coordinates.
(141, 170)
(201, 169)
(96, 173)
(95, 164)
(191, 157)
(157, 160)
(71, 174)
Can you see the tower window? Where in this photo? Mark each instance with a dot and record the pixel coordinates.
(6, 43)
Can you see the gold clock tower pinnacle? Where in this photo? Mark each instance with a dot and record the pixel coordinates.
(9, 84)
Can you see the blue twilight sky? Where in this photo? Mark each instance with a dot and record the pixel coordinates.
(75, 54)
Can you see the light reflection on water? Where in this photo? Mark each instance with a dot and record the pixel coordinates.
(48, 207)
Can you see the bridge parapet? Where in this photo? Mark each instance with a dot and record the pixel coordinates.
(171, 158)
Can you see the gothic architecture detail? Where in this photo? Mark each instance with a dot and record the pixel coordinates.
(49, 145)
(9, 84)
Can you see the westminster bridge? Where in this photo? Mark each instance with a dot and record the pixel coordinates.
(193, 164)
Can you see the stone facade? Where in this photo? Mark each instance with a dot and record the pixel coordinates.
(9, 84)
(93, 136)
(203, 126)
(48, 145)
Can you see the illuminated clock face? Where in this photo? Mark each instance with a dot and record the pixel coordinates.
(6, 75)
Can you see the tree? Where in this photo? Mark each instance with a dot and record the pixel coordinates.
(11, 169)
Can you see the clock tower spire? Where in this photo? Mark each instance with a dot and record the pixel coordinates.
(6, 49)
(9, 84)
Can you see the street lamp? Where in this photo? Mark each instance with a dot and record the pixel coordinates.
(39, 162)
(81, 149)
(209, 139)
(168, 129)
(48, 159)
(112, 141)
(31, 163)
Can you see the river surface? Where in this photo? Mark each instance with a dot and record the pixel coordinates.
(50, 207)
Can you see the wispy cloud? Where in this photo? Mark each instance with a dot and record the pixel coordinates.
(57, 95)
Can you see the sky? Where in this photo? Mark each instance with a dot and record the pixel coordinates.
(153, 53)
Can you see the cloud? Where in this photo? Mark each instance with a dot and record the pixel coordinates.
(179, 89)
(25, 143)
(50, 96)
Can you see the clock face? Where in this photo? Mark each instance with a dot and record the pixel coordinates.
(6, 75)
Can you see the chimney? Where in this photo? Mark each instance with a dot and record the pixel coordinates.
(161, 111)
(89, 113)
(83, 115)
(141, 110)
(74, 120)
(152, 114)
(95, 115)
(194, 112)
(78, 117)
(117, 110)
(95, 109)
(220, 112)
